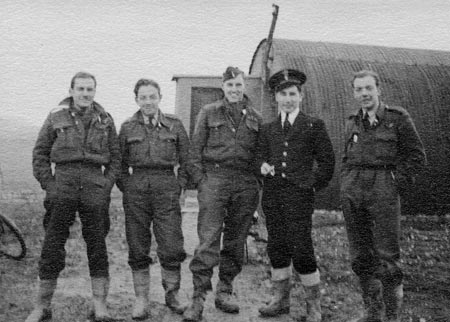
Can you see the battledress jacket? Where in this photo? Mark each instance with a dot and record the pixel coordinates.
(395, 145)
(218, 142)
(63, 139)
(164, 147)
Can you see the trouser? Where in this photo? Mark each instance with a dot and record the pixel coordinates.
(82, 188)
(371, 207)
(153, 196)
(227, 201)
(288, 210)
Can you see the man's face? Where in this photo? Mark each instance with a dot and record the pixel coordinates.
(289, 99)
(83, 92)
(366, 92)
(148, 100)
(234, 89)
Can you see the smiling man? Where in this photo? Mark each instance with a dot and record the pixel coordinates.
(80, 139)
(222, 164)
(152, 144)
(288, 149)
(383, 153)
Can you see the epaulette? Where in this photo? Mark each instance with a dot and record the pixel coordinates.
(58, 109)
(396, 109)
(171, 116)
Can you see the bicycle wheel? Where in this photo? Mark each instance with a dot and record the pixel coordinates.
(12, 244)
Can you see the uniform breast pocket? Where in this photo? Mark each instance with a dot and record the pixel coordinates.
(98, 137)
(386, 146)
(216, 133)
(65, 136)
(136, 147)
(168, 143)
(353, 147)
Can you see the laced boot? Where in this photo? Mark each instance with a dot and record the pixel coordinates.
(171, 283)
(141, 283)
(42, 311)
(373, 300)
(279, 304)
(313, 310)
(393, 300)
(100, 289)
(224, 300)
(194, 312)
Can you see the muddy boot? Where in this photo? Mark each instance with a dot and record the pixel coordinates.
(171, 283)
(100, 289)
(224, 300)
(141, 283)
(279, 304)
(312, 297)
(194, 312)
(42, 311)
(393, 300)
(373, 300)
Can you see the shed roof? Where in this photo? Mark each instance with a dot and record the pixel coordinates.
(291, 49)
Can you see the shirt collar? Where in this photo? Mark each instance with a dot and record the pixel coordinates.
(292, 116)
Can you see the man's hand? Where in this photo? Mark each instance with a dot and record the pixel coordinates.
(267, 169)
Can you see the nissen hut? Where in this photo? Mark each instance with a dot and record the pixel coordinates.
(418, 80)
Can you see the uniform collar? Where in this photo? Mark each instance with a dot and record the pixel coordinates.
(292, 116)
(161, 119)
(95, 107)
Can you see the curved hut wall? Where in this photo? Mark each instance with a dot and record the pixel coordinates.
(418, 80)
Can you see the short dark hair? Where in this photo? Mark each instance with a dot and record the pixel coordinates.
(82, 75)
(364, 73)
(146, 82)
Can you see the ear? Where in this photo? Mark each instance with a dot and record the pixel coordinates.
(136, 100)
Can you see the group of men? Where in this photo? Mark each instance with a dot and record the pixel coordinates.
(231, 155)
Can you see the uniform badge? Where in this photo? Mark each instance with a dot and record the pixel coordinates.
(286, 74)
(355, 138)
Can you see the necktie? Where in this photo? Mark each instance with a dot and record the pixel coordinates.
(365, 121)
(286, 125)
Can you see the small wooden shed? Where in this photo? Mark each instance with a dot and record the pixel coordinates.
(418, 80)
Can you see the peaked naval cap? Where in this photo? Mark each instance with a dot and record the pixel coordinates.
(286, 78)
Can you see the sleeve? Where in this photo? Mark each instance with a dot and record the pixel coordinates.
(112, 170)
(41, 153)
(412, 158)
(183, 153)
(262, 148)
(124, 165)
(324, 156)
(198, 142)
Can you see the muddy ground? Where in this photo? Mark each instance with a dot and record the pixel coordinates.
(425, 259)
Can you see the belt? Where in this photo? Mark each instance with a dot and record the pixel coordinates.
(156, 170)
(216, 167)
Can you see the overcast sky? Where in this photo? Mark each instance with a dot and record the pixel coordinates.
(43, 43)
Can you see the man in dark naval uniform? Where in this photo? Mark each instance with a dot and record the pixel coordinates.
(222, 164)
(288, 149)
(80, 139)
(383, 153)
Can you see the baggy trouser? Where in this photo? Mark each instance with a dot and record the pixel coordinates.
(281, 285)
(42, 311)
(100, 289)
(141, 283)
(171, 283)
(224, 298)
(311, 285)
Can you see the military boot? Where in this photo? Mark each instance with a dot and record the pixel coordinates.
(42, 311)
(373, 300)
(141, 283)
(100, 289)
(194, 312)
(393, 300)
(224, 299)
(279, 304)
(171, 283)
(312, 297)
